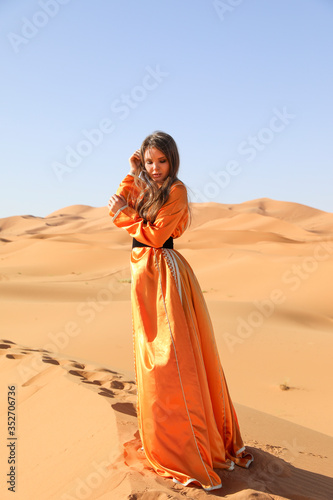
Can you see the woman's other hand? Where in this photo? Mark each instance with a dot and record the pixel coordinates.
(116, 202)
(135, 161)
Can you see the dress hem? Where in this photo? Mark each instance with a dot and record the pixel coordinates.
(191, 480)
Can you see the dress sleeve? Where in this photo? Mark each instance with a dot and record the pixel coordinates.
(166, 222)
(126, 187)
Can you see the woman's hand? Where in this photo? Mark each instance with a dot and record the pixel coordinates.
(116, 202)
(135, 161)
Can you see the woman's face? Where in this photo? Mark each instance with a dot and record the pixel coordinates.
(157, 165)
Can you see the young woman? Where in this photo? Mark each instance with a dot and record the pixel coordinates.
(187, 423)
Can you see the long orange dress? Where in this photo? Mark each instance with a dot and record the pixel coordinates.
(186, 419)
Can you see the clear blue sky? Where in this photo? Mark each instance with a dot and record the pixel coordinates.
(245, 90)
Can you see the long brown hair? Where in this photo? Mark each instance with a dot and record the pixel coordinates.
(152, 197)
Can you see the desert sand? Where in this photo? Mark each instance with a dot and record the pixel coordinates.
(66, 345)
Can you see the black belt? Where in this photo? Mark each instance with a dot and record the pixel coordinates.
(167, 244)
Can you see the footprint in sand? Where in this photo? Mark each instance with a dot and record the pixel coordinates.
(107, 383)
(5, 346)
(15, 356)
(127, 408)
(50, 360)
(78, 365)
(15, 351)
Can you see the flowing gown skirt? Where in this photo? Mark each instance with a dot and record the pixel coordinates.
(187, 422)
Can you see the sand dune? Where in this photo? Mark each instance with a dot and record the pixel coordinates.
(264, 266)
(80, 451)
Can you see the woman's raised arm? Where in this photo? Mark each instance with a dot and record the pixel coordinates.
(167, 219)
